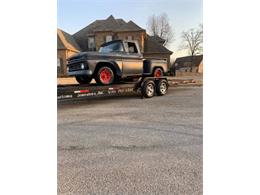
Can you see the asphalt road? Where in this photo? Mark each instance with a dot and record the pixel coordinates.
(128, 145)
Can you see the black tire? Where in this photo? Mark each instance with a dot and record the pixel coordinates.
(157, 72)
(83, 79)
(161, 87)
(148, 89)
(105, 76)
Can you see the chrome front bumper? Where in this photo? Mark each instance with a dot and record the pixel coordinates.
(80, 72)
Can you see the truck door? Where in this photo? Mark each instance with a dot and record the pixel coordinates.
(132, 60)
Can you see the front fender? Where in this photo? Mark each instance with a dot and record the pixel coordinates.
(117, 65)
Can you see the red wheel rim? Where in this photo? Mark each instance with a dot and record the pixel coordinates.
(105, 76)
(158, 73)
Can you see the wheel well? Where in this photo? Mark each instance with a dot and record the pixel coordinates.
(101, 64)
(158, 67)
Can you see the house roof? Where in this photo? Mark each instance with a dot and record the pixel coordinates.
(66, 41)
(196, 60)
(109, 24)
(152, 46)
(158, 39)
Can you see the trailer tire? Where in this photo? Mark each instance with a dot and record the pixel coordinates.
(83, 79)
(148, 89)
(161, 87)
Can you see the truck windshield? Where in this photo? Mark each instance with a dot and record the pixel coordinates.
(113, 47)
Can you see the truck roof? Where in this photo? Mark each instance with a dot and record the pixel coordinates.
(118, 40)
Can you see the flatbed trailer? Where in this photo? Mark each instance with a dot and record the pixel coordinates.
(147, 87)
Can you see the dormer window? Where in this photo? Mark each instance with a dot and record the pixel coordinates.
(91, 43)
(108, 38)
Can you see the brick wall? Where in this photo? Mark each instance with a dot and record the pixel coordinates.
(139, 36)
(63, 55)
(82, 39)
(100, 37)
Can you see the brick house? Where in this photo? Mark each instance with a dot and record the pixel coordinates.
(183, 65)
(92, 36)
(66, 47)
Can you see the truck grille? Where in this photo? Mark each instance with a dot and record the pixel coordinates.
(74, 67)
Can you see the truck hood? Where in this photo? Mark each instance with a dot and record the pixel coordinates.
(92, 55)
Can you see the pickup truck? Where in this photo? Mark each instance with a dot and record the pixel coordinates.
(116, 60)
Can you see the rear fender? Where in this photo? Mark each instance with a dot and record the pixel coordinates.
(149, 67)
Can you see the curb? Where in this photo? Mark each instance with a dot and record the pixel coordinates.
(186, 85)
(184, 82)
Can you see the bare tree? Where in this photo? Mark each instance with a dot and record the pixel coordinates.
(193, 40)
(160, 26)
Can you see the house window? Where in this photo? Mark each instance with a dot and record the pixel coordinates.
(108, 38)
(91, 43)
(129, 37)
(59, 65)
(58, 62)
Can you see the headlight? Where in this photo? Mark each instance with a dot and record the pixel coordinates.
(82, 66)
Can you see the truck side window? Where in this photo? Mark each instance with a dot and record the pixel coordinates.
(132, 48)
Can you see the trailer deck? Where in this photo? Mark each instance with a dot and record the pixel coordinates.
(146, 87)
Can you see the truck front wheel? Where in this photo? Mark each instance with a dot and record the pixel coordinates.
(105, 76)
(83, 79)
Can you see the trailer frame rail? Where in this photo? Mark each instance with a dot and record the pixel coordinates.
(148, 86)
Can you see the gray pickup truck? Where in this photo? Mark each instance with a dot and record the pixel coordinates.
(115, 60)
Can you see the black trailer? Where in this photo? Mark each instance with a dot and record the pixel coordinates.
(146, 86)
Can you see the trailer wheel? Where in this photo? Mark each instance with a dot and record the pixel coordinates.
(105, 76)
(148, 89)
(161, 87)
(83, 79)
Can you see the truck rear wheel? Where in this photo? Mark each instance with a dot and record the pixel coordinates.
(158, 72)
(83, 79)
(148, 89)
(105, 76)
(161, 87)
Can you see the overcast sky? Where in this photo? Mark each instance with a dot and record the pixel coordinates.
(73, 15)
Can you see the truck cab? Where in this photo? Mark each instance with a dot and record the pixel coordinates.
(129, 51)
